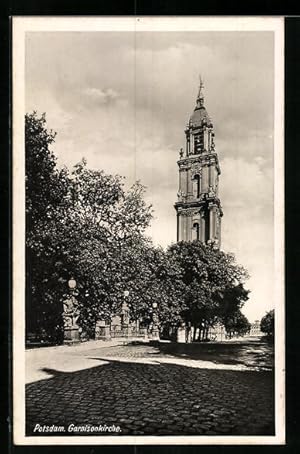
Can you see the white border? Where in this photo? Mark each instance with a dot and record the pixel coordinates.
(143, 23)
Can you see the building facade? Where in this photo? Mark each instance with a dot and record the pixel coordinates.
(198, 206)
(255, 329)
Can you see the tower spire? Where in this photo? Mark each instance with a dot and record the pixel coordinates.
(200, 97)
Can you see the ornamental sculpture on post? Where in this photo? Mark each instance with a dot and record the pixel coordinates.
(71, 314)
(125, 315)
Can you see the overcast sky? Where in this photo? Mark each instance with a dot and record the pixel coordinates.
(122, 100)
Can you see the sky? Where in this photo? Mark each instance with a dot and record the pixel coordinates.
(122, 100)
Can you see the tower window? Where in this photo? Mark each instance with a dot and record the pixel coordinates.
(196, 231)
(196, 186)
(198, 143)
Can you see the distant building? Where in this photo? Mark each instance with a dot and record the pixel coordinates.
(255, 329)
(198, 207)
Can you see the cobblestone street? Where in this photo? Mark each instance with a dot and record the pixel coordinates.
(153, 389)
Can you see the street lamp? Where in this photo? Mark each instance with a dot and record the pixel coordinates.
(72, 283)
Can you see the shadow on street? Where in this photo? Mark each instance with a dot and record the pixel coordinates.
(154, 399)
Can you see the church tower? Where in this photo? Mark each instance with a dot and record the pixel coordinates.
(198, 207)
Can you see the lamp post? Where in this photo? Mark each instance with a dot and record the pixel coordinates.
(155, 328)
(71, 314)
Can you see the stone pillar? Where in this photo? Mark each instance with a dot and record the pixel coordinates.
(102, 331)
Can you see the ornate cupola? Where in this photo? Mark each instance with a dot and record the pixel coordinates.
(198, 207)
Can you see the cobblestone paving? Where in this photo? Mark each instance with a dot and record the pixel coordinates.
(153, 399)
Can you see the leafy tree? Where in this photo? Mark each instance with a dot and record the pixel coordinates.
(45, 188)
(79, 223)
(231, 300)
(212, 280)
(267, 323)
(237, 324)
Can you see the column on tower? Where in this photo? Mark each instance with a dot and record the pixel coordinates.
(181, 231)
(209, 140)
(212, 176)
(212, 221)
(191, 143)
(187, 135)
(205, 138)
(184, 226)
(202, 226)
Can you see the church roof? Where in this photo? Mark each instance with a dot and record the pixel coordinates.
(199, 116)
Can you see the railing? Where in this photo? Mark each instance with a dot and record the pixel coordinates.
(130, 331)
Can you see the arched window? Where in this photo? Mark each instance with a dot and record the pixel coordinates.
(196, 231)
(196, 186)
(198, 147)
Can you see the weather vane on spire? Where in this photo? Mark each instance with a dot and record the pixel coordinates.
(201, 81)
(200, 97)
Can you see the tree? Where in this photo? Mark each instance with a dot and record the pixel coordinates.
(231, 301)
(213, 284)
(79, 223)
(267, 323)
(237, 324)
(45, 188)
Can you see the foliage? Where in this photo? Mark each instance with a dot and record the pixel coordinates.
(267, 323)
(237, 324)
(214, 285)
(231, 301)
(82, 223)
(78, 223)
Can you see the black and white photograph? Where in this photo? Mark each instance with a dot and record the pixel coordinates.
(148, 298)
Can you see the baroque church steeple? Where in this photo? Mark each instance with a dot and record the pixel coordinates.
(198, 206)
